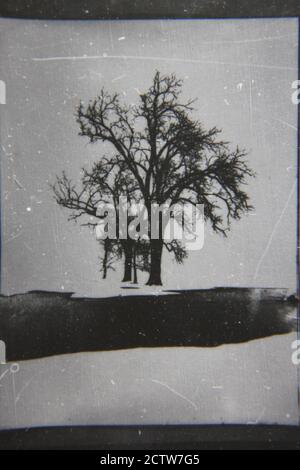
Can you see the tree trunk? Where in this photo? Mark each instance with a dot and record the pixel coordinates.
(156, 247)
(104, 267)
(105, 259)
(135, 280)
(128, 262)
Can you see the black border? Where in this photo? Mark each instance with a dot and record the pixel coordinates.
(224, 437)
(146, 9)
(151, 437)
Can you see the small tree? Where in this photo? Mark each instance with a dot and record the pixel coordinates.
(103, 184)
(169, 157)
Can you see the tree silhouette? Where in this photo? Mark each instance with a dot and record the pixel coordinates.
(168, 158)
(104, 183)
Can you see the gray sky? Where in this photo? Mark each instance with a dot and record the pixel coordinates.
(241, 71)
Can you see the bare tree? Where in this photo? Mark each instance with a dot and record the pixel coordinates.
(170, 157)
(104, 183)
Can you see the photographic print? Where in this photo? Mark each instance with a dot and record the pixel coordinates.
(149, 222)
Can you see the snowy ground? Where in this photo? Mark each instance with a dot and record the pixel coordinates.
(254, 382)
(126, 289)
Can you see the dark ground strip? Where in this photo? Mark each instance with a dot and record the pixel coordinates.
(40, 324)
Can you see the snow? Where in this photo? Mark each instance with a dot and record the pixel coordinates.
(252, 383)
